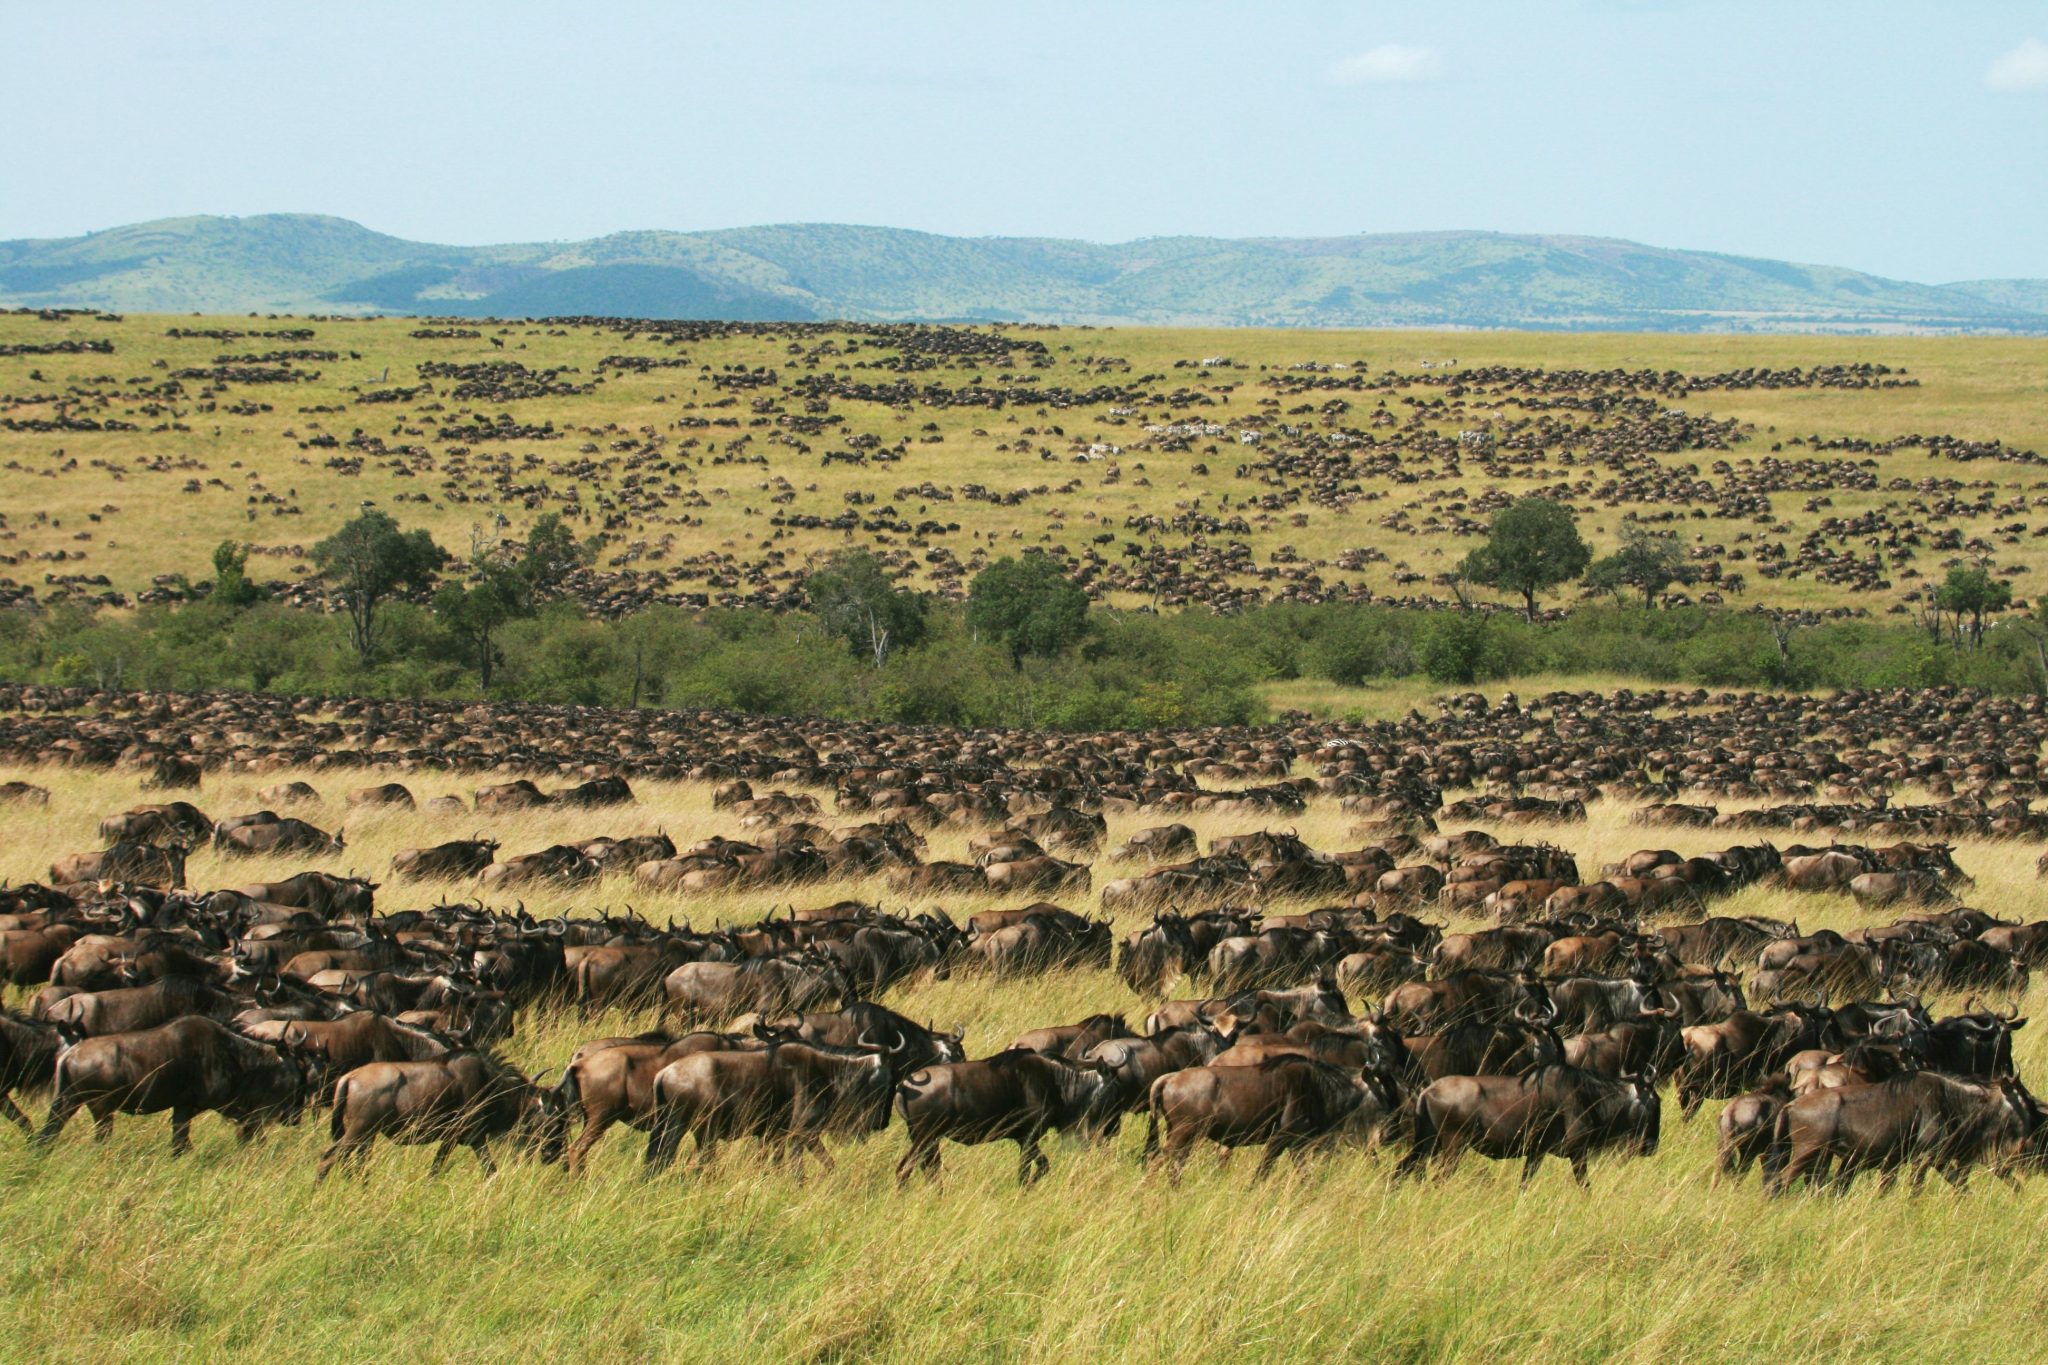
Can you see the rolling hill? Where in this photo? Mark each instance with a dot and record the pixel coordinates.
(309, 263)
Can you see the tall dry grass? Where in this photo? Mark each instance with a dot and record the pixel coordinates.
(119, 1253)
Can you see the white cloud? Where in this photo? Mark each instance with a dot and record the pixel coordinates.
(1387, 62)
(2023, 68)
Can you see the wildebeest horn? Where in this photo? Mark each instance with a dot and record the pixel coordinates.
(288, 1040)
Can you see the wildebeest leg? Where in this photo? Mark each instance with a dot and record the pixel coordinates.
(181, 1131)
(921, 1153)
(1031, 1163)
(1279, 1144)
(441, 1155)
(102, 1125)
(1579, 1173)
(61, 1110)
(12, 1112)
(483, 1156)
(1530, 1163)
(344, 1147)
(594, 1126)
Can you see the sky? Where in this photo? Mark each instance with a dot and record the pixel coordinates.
(1910, 140)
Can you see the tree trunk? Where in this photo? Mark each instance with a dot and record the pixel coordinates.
(1529, 604)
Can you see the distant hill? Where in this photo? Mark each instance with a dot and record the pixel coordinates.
(308, 263)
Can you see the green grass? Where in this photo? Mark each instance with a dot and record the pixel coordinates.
(119, 1253)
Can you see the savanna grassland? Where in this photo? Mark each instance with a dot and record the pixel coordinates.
(120, 1253)
(716, 462)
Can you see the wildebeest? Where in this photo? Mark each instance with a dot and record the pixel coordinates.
(149, 864)
(788, 1094)
(28, 1061)
(1556, 1111)
(1286, 1103)
(189, 1066)
(1925, 1120)
(131, 1009)
(712, 992)
(464, 1099)
(278, 836)
(1014, 1096)
(456, 858)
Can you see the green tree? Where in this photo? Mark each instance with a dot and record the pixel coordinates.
(231, 585)
(1029, 605)
(853, 599)
(551, 554)
(474, 611)
(367, 561)
(1969, 590)
(1532, 545)
(1648, 562)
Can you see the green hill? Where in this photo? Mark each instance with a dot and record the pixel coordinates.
(309, 263)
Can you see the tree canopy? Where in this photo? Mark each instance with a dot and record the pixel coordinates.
(853, 598)
(1647, 562)
(1029, 605)
(368, 560)
(1532, 545)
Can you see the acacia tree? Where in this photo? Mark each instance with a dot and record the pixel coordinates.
(1029, 604)
(1532, 545)
(1647, 561)
(231, 585)
(852, 597)
(367, 561)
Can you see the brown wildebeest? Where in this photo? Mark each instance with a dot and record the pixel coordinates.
(1072, 1040)
(27, 955)
(173, 822)
(383, 794)
(457, 858)
(712, 992)
(1555, 1111)
(612, 1080)
(130, 1009)
(1156, 844)
(1925, 1120)
(355, 1039)
(1745, 1126)
(789, 1094)
(24, 793)
(323, 893)
(1015, 1096)
(463, 1099)
(188, 1066)
(279, 836)
(124, 862)
(1135, 1063)
(600, 791)
(1286, 1103)
(517, 795)
(289, 794)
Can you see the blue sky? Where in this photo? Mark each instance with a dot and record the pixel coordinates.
(1906, 139)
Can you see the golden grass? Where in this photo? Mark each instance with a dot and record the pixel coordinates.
(118, 1253)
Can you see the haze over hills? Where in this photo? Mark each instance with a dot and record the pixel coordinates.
(305, 263)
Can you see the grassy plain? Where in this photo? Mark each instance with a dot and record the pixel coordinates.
(120, 1254)
(155, 500)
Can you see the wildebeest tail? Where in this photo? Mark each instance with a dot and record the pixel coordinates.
(570, 1088)
(337, 1121)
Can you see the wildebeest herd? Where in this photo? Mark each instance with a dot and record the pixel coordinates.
(1434, 987)
(713, 461)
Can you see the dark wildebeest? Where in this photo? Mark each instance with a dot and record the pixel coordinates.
(1285, 1102)
(611, 1080)
(28, 1061)
(188, 1066)
(1014, 1096)
(1725, 1058)
(1506, 1049)
(1134, 1063)
(383, 794)
(599, 791)
(355, 1039)
(1557, 1111)
(1928, 1121)
(464, 1099)
(176, 821)
(1466, 997)
(1648, 1043)
(280, 836)
(457, 858)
